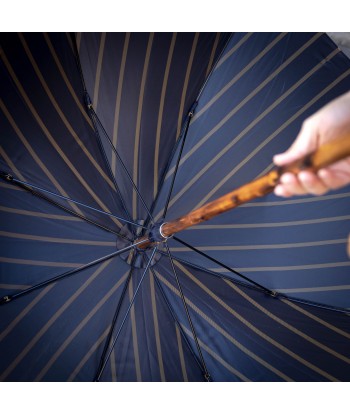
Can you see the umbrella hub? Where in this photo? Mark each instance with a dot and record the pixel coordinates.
(156, 233)
(138, 257)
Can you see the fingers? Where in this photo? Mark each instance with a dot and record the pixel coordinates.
(284, 158)
(305, 182)
(326, 179)
(305, 143)
(336, 176)
(312, 183)
(289, 186)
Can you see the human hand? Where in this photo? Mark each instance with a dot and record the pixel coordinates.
(329, 123)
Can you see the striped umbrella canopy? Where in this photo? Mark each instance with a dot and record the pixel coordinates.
(104, 136)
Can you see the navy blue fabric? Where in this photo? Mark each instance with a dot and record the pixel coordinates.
(247, 335)
(253, 90)
(246, 114)
(158, 77)
(40, 100)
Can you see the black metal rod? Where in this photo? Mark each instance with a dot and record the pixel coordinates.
(77, 60)
(213, 273)
(11, 179)
(186, 125)
(71, 212)
(87, 102)
(114, 321)
(124, 167)
(189, 117)
(266, 290)
(274, 294)
(173, 314)
(214, 67)
(99, 374)
(8, 298)
(206, 373)
(92, 115)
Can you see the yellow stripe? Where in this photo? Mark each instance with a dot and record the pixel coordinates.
(273, 135)
(185, 86)
(13, 287)
(240, 74)
(11, 187)
(70, 42)
(266, 170)
(52, 140)
(160, 114)
(255, 329)
(253, 124)
(118, 100)
(54, 239)
(273, 224)
(78, 39)
(240, 346)
(83, 322)
(98, 69)
(212, 55)
(138, 124)
(61, 114)
(36, 158)
(181, 354)
(297, 201)
(39, 214)
(287, 268)
(156, 329)
(39, 263)
(219, 359)
(10, 164)
(134, 335)
(65, 78)
(256, 247)
(245, 101)
(287, 325)
(90, 352)
(314, 289)
(24, 312)
(315, 318)
(233, 50)
(113, 366)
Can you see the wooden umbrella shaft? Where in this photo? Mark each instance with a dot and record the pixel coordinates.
(326, 155)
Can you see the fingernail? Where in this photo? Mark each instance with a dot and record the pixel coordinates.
(276, 158)
(287, 178)
(278, 191)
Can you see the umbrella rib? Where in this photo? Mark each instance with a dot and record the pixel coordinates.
(266, 290)
(114, 321)
(99, 374)
(188, 121)
(186, 126)
(93, 116)
(206, 373)
(92, 113)
(71, 212)
(8, 298)
(213, 68)
(173, 314)
(25, 185)
(274, 294)
(122, 164)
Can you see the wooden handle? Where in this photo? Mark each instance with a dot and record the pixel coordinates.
(326, 155)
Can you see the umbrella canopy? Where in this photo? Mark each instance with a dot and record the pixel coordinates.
(105, 135)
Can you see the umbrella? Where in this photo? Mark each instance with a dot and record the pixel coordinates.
(104, 137)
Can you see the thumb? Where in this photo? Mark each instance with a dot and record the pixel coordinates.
(305, 143)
